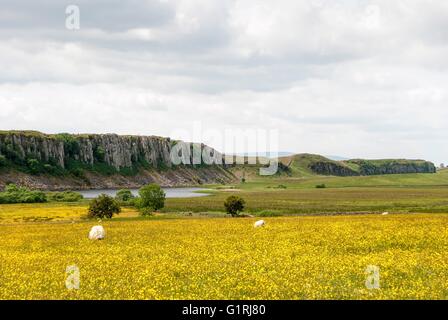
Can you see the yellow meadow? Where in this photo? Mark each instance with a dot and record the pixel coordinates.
(225, 258)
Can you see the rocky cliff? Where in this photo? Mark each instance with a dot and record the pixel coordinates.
(332, 168)
(86, 160)
(301, 164)
(391, 166)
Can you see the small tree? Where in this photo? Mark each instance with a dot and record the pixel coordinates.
(124, 195)
(234, 205)
(152, 198)
(103, 207)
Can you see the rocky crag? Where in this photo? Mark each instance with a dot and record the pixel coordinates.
(316, 164)
(98, 161)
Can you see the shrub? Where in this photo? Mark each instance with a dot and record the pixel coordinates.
(14, 194)
(103, 207)
(49, 168)
(34, 166)
(152, 197)
(321, 186)
(146, 211)
(99, 154)
(234, 205)
(124, 195)
(281, 186)
(77, 172)
(2, 161)
(65, 196)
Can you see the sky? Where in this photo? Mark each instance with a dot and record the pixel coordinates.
(358, 79)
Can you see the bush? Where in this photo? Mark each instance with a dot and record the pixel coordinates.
(124, 195)
(281, 186)
(49, 169)
(2, 161)
(14, 194)
(321, 186)
(152, 198)
(65, 196)
(99, 154)
(234, 205)
(103, 207)
(34, 166)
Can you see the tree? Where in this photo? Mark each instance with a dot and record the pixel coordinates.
(152, 197)
(234, 205)
(124, 195)
(103, 207)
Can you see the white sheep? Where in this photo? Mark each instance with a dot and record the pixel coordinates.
(97, 233)
(259, 223)
(385, 213)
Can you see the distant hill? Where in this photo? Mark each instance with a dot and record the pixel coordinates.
(337, 158)
(311, 164)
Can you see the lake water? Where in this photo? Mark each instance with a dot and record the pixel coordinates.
(170, 192)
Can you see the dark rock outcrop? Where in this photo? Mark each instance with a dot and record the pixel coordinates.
(332, 168)
(392, 166)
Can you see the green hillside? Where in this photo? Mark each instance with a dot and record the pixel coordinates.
(304, 165)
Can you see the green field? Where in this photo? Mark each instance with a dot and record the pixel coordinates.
(406, 193)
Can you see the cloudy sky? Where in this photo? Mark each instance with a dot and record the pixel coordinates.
(343, 77)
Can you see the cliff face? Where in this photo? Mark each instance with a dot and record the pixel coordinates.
(392, 166)
(371, 167)
(84, 159)
(316, 164)
(110, 149)
(116, 151)
(18, 146)
(332, 169)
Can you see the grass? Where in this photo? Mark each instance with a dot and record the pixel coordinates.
(401, 193)
(292, 258)
(324, 201)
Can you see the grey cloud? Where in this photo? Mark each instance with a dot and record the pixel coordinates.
(110, 15)
(334, 76)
